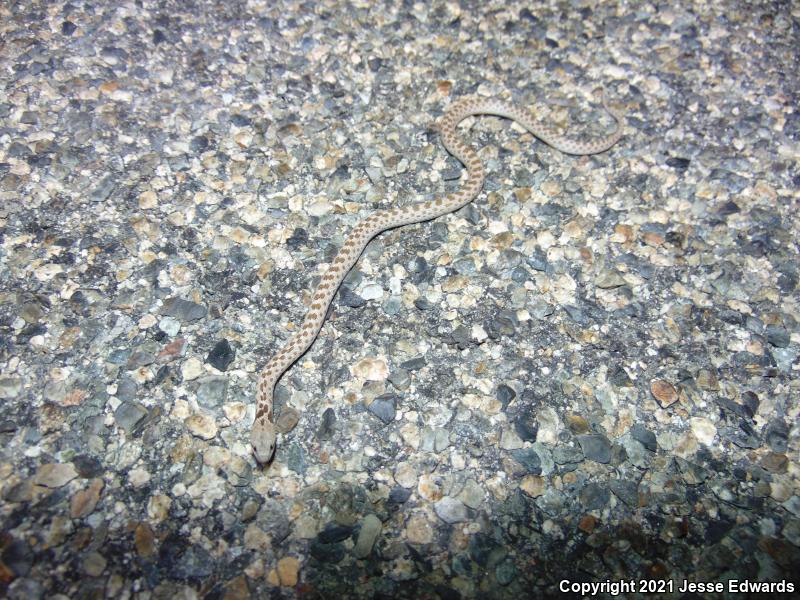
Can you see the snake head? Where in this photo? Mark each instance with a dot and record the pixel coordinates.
(262, 440)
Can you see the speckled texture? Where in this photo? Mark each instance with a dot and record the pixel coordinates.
(589, 373)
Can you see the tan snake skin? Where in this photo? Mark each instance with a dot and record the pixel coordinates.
(263, 435)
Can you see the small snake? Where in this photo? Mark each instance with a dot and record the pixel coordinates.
(262, 434)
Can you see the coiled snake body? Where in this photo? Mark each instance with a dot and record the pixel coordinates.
(263, 435)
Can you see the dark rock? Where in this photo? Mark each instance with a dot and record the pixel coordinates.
(645, 437)
(528, 458)
(594, 496)
(327, 424)
(399, 495)
(334, 532)
(129, 415)
(595, 447)
(505, 395)
(221, 355)
(183, 310)
(330, 553)
(384, 407)
(626, 490)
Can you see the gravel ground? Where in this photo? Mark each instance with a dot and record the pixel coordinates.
(588, 374)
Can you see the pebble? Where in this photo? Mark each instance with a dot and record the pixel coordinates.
(129, 415)
(288, 569)
(383, 407)
(451, 510)
(221, 355)
(368, 533)
(202, 426)
(85, 501)
(532, 485)
(595, 447)
(211, 391)
(664, 392)
(55, 475)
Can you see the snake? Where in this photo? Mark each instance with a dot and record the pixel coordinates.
(263, 434)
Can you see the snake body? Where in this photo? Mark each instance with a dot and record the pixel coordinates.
(263, 434)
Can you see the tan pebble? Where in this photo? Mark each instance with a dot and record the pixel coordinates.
(55, 475)
(533, 485)
(664, 392)
(371, 369)
(578, 424)
(707, 380)
(84, 502)
(288, 568)
(144, 540)
(405, 475)
(287, 420)
(703, 429)
(429, 487)
(191, 369)
(419, 530)
(202, 426)
(256, 538)
(158, 507)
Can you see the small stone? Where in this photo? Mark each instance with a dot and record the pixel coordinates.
(441, 440)
(594, 496)
(778, 336)
(383, 407)
(505, 395)
(532, 485)
(288, 569)
(10, 387)
(84, 501)
(158, 508)
(645, 437)
(144, 540)
(327, 425)
(191, 369)
(509, 440)
(398, 496)
(419, 530)
(334, 533)
(430, 487)
(626, 490)
(94, 564)
(287, 420)
(505, 572)
(528, 458)
(609, 278)
(371, 369)
(578, 424)
(406, 475)
(707, 380)
(595, 447)
(370, 530)
(664, 392)
(587, 523)
(129, 415)
(184, 310)
(221, 355)
(55, 475)
(472, 495)
(704, 430)
(450, 510)
(202, 426)
(212, 391)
